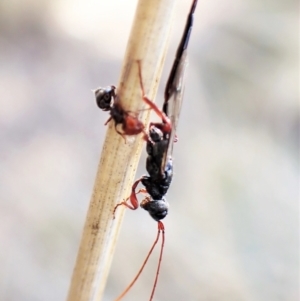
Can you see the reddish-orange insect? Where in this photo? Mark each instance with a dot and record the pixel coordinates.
(107, 100)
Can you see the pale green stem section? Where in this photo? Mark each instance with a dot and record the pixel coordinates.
(116, 171)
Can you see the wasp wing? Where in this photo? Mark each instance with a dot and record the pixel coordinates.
(172, 106)
(175, 86)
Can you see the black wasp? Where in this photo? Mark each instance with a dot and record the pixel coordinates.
(159, 148)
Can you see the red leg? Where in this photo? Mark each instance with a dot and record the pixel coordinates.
(164, 127)
(134, 204)
(167, 123)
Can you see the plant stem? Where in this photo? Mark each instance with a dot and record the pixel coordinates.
(116, 171)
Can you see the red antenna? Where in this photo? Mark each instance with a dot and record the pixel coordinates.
(161, 229)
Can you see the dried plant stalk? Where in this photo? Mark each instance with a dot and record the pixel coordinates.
(116, 171)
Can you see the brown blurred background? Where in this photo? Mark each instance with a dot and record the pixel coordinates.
(232, 232)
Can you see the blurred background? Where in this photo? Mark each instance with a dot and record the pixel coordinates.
(232, 231)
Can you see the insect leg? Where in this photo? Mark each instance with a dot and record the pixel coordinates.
(166, 121)
(108, 120)
(134, 204)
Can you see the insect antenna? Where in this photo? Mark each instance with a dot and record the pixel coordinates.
(161, 229)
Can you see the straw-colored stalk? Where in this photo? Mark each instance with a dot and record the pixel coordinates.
(116, 171)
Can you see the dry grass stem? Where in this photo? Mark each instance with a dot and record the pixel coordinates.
(116, 171)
